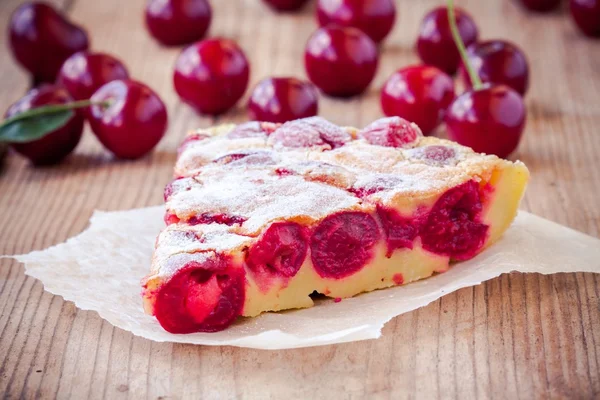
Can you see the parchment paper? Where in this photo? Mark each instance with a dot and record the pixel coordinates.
(101, 269)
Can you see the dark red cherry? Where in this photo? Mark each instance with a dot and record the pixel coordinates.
(489, 120)
(285, 5)
(212, 75)
(586, 14)
(133, 123)
(498, 61)
(282, 100)
(83, 73)
(419, 94)
(435, 44)
(541, 5)
(373, 17)
(176, 22)
(341, 61)
(56, 145)
(41, 39)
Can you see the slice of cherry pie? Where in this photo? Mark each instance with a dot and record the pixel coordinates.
(263, 215)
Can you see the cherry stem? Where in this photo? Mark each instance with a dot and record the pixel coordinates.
(475, 80)
(54, 108)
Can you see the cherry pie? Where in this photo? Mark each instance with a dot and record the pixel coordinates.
(263, 215)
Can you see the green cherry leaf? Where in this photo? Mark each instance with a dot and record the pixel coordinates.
(23, 129)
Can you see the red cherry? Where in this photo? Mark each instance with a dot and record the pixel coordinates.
(282, 100)
(419, 94)
(586, 14)
(541, 5)
(211, 75)
(41, 39)
(83, 73)
(133, 123)
(58, 144)
(435, 43)
(489, 120)
(285, 5)
(176, 22)
(341, 61)
(498, 61)
(373, 17)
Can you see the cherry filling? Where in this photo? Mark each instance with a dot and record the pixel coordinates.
(196, 137)
(249, 158)
(201, 297)
(252, 129)
(452, 227)
(438, 154)
(309, 132)
(280, 252)
(400, 232)
(391, 132)
(343, 244)
(207, 218)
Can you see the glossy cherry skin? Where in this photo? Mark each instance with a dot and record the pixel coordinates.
(177, 22)
(419, 94)
(341, 61)
(489, 120)
(435, 44)
(286, 5)
(498, 61)
(58, 144)
(135, 121)
(586, 14)
(83, 73)
(373, 17)
(541, 5)
(212, 75)
(282, 100)
(41, 39)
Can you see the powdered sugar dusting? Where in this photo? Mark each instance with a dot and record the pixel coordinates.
(261, 197)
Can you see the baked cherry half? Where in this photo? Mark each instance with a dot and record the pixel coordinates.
(373, 17)
(453, 227)
(83, 73)
(435, 44)
(419, 94)
(134, 121)
(341, 61)
(283, 99)
(58, 144)
(285, 5)
(176, 22)
(211, 75)
(498, 61)
(342, 244)
(586, 14)
(201, 297)
(41, 39)
(279, 253)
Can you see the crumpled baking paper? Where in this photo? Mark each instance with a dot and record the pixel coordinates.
(101, 269)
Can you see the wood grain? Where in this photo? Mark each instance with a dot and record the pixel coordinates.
(517, 336)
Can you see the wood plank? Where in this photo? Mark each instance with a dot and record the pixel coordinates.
(517, 336)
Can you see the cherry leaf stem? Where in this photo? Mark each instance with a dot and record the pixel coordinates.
(475, 80)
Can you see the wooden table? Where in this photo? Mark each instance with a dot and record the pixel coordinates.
(518, 336)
